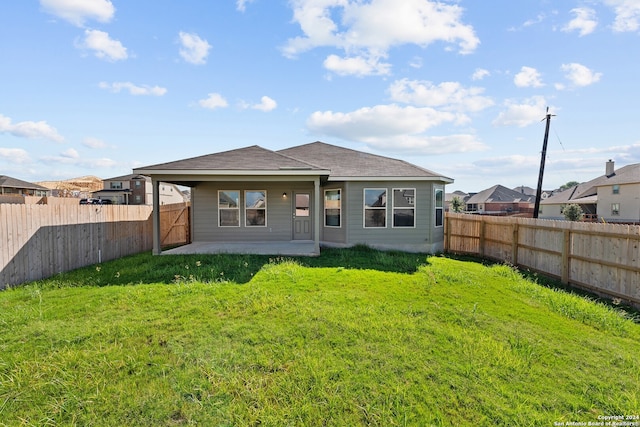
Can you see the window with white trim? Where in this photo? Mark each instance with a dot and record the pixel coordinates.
(229, 208)
(404, 207)
(615, 208)
(255, 208)
(439, 206)
(375, 207)
(332, 208)
(616, 189)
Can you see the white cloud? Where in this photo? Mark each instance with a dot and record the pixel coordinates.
(193, 49)
(241, 5)
(133, 89)
(584, 21)
(579, 75)
(94, 143)
(528, 77)
(213, 101)
(266, 104)
(449, 95)
(357, 66)
(15, 155)
(367, 30)
(68, 158)
(523, 114)
(104, 47)
(77, 12)
(480, 73)
(70, 153)
(391, 127)
(29, 129)
(627, 15)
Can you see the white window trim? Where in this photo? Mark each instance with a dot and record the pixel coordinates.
(220, 208)
(339, 190)
(435, 207)
(615, 212)
(365, 208)
(246, 208)
(394, 207)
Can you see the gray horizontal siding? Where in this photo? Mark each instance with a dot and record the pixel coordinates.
(424, 235)
(279, 212)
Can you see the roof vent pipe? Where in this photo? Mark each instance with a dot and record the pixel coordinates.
(610, 168)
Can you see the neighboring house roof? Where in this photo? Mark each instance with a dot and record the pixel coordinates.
(345, 163)
(128, 177)
(9, 182)
(448, 197)
(499, 194)
(317, 158)
(523, 189)
(586, 193)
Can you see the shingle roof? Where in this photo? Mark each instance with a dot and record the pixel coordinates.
(499, 193)
(253, 158)
(9, 182)
(625, 175)
(344, 162)
(317, 157)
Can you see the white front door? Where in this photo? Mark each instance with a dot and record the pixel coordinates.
(302, 216)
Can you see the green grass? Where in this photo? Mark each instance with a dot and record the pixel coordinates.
(353, 337)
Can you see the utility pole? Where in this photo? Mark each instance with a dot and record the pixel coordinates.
(536, 207)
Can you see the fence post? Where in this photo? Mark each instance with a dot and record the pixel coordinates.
(566, 247)
(514, 244)
(447, 232)
(481, 237)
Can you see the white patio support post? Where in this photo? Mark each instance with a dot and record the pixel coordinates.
(316, 223)
(156, 217)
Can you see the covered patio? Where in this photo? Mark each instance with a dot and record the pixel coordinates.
(288, 248)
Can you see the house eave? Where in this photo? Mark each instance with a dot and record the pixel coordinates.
(391, 178)
(288, 172)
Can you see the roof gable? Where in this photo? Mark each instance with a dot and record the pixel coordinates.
(253, 158)
(498, 194)
(345, 162)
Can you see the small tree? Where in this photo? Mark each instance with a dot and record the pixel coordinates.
(568, 185)
(457, 205)
(572, 212)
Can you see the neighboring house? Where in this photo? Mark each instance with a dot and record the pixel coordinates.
(612, 197)
(136, 189)
(14, 186)
(532, 192)
(500, 200)
(315, 192)
(448, 197)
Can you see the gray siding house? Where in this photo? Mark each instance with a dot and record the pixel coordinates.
(319, 193)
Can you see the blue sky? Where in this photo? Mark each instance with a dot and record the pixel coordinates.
(98, 87)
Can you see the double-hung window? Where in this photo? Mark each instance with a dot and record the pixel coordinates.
(615, 208)
(332, 208)
(255, 206)
(439, 206)
(375, 207)
(229, 208)
(404, 207)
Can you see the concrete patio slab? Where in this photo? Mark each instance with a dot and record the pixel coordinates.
(290, 248)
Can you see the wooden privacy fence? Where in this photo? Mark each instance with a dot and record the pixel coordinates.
(38, 241)
(603, 258)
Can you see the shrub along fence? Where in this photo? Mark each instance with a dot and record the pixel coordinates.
(39, 241)
(602, 258)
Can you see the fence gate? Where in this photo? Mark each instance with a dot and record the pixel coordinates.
(174, 224)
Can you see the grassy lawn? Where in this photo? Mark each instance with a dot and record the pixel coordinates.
(353, 337)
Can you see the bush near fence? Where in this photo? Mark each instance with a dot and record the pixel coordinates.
(601, 258)
(38, 241)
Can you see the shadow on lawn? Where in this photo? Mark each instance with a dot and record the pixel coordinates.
(146, 268)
